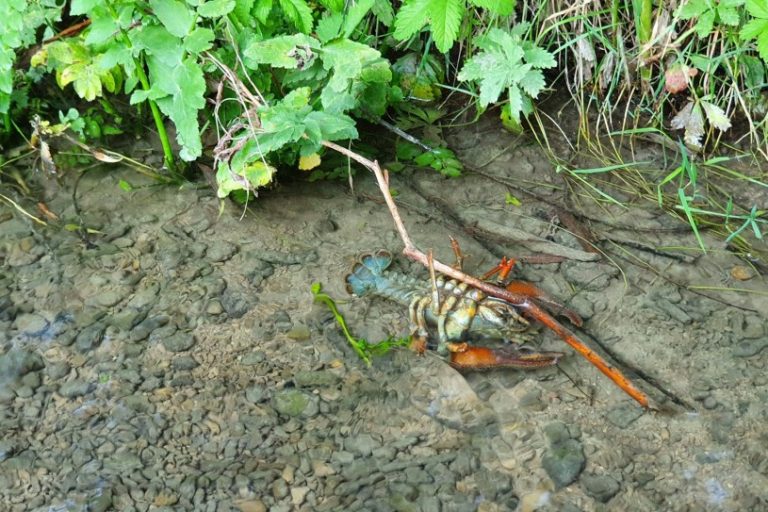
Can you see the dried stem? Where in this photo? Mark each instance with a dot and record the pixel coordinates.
(521, 301)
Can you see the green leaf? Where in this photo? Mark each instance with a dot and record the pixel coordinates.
(299, 13)
(245, 177)
(335, 6)
(200, 40)
(78, 7)
(539, 57)
(705, 24)
(758, 8)
(384, 12)
(446, 18)
(124, 185)
(728, 15)
(693, 8)
(174, 15)
(242, 11)
(355, 15)
(411, 18)
(500, 7)
(329, 27)
(103, 27)
(288, 52)
(216, 8)
(160, 43)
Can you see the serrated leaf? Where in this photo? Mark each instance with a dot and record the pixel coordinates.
(384, 12)
(329, 27)
(242, 11)
(445, 17)
(728, 15)
(539, 57)
(691, 119)
(200, 40)
(335, 6)
(355, 15)
(757, 8)
(102, 28)
(532, 82)
(705, 24)
(158, 42)
(753, 29)
(692, 8)
(500, 7)
(216, 8)
(175, 16)
(299, 13)
(288, 52)
(716, 116)
(411, 18)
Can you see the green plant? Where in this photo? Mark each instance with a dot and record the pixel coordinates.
(508, 63)
(362, 348)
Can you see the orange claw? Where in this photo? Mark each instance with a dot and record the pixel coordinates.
(478, 358)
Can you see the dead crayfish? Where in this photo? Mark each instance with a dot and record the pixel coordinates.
(459, 313)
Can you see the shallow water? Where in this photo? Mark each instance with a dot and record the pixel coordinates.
(180, 363)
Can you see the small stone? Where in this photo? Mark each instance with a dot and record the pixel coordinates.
(298, 494)
(709, 403)
(75, 388)
(600, 487)
(89, 338)
(623, 415)
(6, 395)
(564, 461)
(179, 342)
(184, 362)
(221, 251)
(292, 402)
(214, 308)
(299, 333)
(31, 324)
(251, 506)
(750, 348)
(253, 358)
(254, 394)
(362, 444)
(320, 378)
(556, 432)
(17, 363)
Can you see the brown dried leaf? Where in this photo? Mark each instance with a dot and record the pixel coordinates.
(691, 119)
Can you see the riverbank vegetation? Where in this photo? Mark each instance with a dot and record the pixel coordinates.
(247, 87)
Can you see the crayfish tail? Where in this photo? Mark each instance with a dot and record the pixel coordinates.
(367, 272)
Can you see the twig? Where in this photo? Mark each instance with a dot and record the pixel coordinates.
(521, 301)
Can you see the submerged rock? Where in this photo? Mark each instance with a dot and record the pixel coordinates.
(564, 461)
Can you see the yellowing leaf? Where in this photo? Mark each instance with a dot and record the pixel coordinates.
(309, 162)
(716, 116)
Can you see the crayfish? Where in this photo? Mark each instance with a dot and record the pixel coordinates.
(447, 314)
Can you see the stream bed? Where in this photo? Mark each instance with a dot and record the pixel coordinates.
(174, 359)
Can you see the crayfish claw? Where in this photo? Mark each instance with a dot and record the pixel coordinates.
(480, 358)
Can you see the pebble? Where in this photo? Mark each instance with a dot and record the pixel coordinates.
(179, 342)
(600, 487)
(361, 444)
(252, 358)
(184, 362)
(76, 388)
(31, 324)
(623, 415)
(564, 461)
(299, 333)
(89, 338)
(221, 251)
(319, 378)
(293, 403)
(750, 348)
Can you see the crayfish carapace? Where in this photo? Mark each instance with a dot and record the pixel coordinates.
(449, 315)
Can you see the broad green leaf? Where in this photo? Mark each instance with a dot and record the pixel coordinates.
(174, 15)
(158, 42)
(335, 6)
(728, 15)
(246, 177)
(532, 82)
(200, 40)
(262, 10)
(333, 126)
(103, 27)
(539, 57)
(705, 24)
(299, 13)
(289, 52)
(500, 7)
(84, 77)
(78, 7)
(329, 27)
(242, 11)
(411, 17)
(445, 16)
(355, 15)
(693, 8)
(384, 12)
(216, 8)
(758, 8)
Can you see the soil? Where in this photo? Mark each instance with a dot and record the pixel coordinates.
(173, 358)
